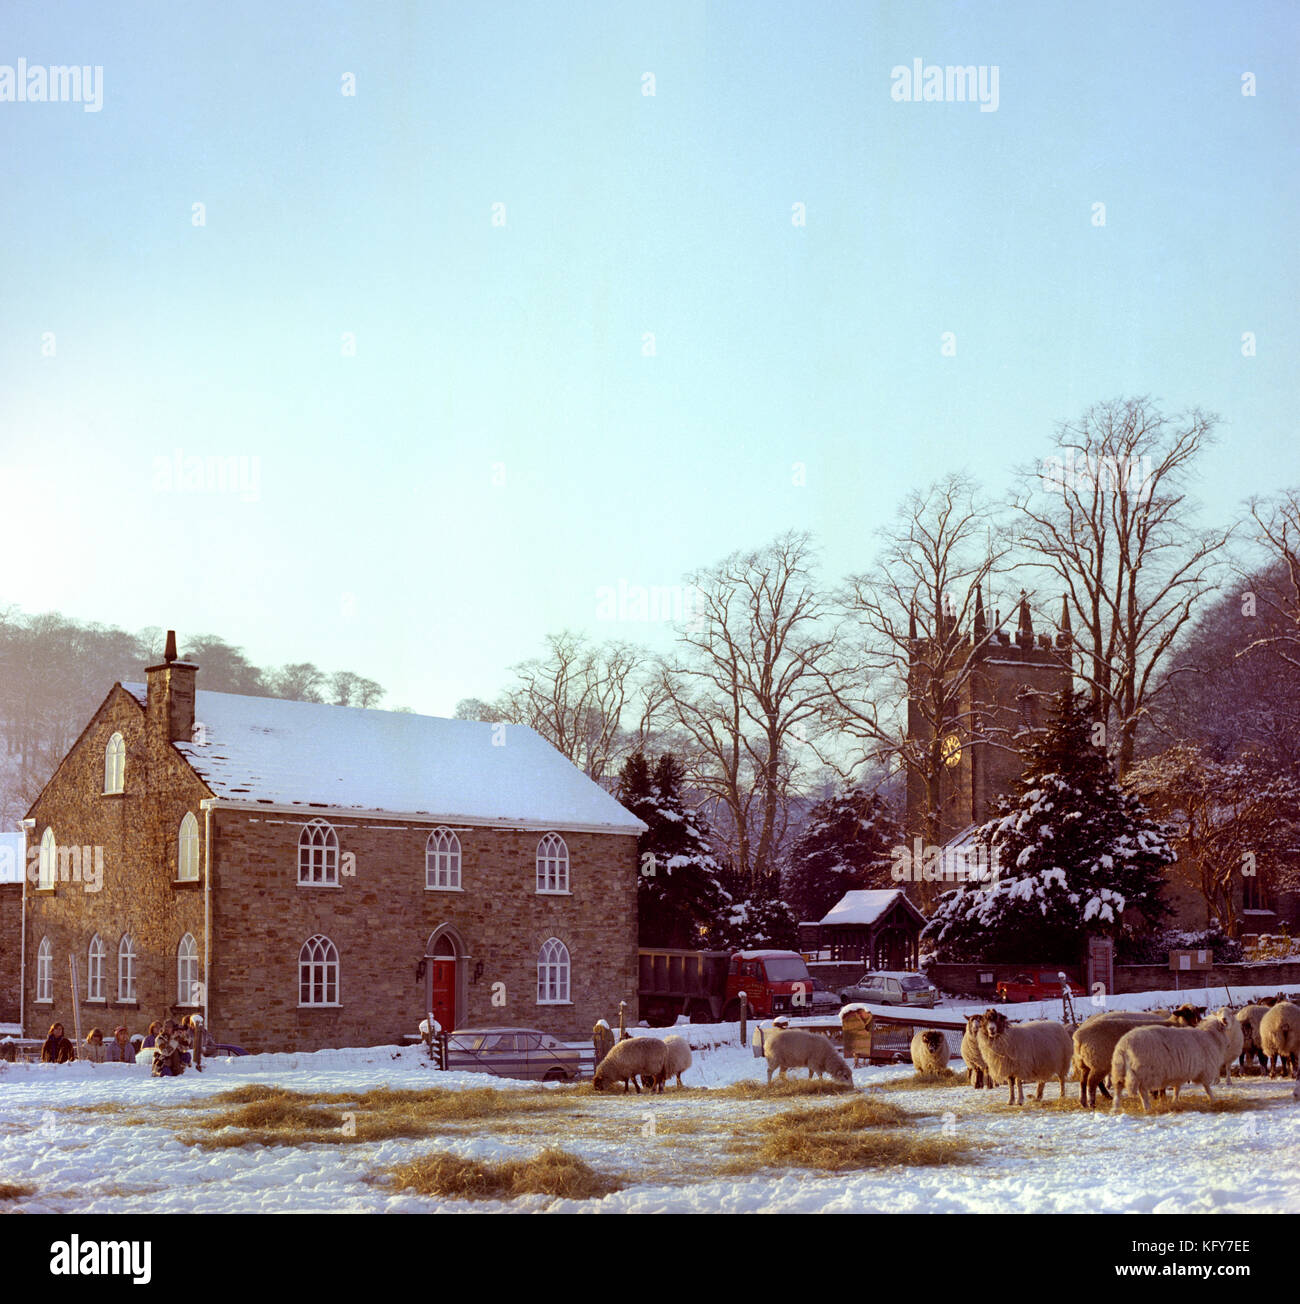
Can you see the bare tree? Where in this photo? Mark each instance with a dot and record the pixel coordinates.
(1277, 531)
(920, 629)
(1110, 517)
(749, 685)
(575, 697)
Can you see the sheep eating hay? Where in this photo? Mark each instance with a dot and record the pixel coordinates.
(793, 1048)
(631, 1058)
(930, 1052)
(1152, 1058)
(1017, 1053)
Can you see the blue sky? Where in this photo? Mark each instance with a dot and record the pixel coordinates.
(380, 536)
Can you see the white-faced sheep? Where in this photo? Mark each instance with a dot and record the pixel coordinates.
(1236, 1044)
(1279, 1037)
(677, 1057)
(1095, 1040)
(1148, 1059)
(632, 1058)
(977, 1072)
(1017, 1053)
(794, 1048)
(930, 1052)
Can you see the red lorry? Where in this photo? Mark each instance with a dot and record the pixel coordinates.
(706, 985)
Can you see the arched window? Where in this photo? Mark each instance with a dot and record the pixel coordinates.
(45, 971)
(552, 864)
(187, 850)
(553, 973)
(126, 968)
(95, 990)
(188, 987)
(47, 866)
(318, 854)
(442, 859)
(115, 764)
(318, 972)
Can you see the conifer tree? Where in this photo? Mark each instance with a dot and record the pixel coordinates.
(679, 897)
(1071, 852)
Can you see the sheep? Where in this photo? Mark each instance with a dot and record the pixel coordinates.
(1024, 1052)
(1235, 1047)
(631, 1058)
(677, 1057)
(794, 1048)
(1095, 1040)
(930, 1052)
(1279, 1037)
(1249, 1017)
(976, 1070)
(1154, 1057)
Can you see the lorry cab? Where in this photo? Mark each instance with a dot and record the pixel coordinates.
(774, 982)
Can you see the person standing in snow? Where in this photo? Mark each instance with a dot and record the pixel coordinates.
(94, 1047)
(57, 1048)
(152, 1038)
(119, 1050)
(170, 1046)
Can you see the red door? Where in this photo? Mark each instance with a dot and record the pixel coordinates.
(443, 992)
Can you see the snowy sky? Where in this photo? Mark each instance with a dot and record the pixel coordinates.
(501, 447)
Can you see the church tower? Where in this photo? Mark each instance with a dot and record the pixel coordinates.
(999, 688)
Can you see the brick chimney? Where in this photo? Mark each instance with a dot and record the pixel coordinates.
(170, 705)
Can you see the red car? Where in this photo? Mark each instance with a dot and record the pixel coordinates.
(1034, 985)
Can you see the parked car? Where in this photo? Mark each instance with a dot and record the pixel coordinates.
(1033, 985)
(892, 987)
(513, 1053)
(822, 1000)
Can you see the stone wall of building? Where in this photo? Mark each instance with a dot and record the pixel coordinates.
(381, 916)
(116, 874)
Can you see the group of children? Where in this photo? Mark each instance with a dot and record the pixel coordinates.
(171, 1043)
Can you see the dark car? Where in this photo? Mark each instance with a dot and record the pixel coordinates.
(513, 1053)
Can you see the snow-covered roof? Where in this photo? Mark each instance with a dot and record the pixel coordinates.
(863, 906)
(269, 751)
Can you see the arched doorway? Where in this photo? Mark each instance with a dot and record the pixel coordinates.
(444, 957)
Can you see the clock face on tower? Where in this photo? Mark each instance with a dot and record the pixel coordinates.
(950, 750)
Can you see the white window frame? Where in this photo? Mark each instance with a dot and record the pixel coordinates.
(126, 968)
(187, 970)
(187, 850)
(318, 847)
(318, 973)
(45, 972)
(96, 954)
(115, 765)
(553, 866)
(553, 973)
(442, 861)
(48, 872)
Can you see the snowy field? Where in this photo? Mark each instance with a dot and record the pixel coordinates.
(122, 1154)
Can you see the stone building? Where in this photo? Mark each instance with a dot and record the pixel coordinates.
(309, 876)
(999, 688)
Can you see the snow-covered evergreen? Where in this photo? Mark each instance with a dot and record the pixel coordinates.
(845, 845)
(679, 896)
(1075, 854)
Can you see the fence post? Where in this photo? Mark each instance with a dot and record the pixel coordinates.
(602, 1042)
(442, 1049)
(622, 1020)
(744, 1017)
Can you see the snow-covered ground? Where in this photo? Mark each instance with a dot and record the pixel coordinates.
(1031, 1159)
